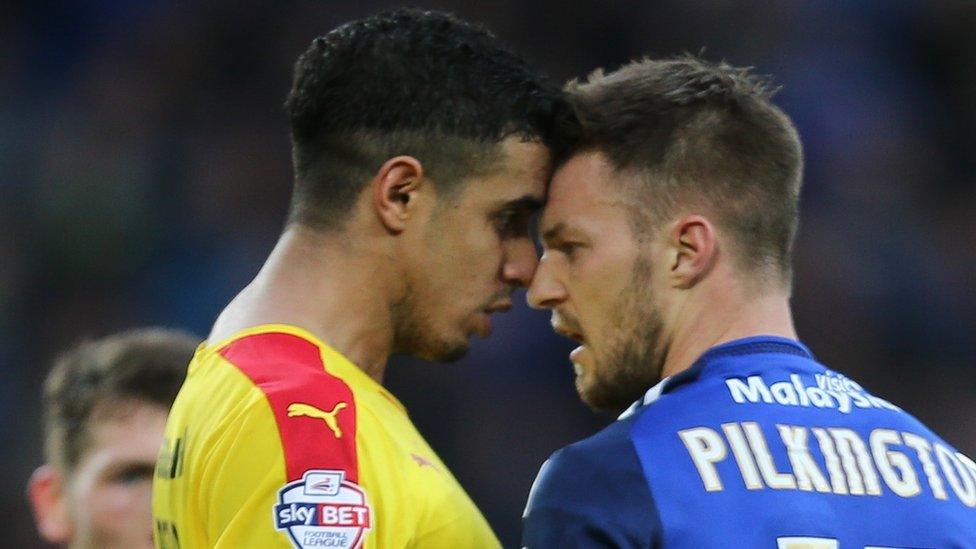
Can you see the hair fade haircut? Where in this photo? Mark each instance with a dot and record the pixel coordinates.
(96, 378)
(700, 134)
(406, 82)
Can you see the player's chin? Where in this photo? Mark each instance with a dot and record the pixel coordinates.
(587, 390)
(454, 352)
(444, 350)
(601, 397)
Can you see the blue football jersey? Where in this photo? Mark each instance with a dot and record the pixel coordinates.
(757, 445)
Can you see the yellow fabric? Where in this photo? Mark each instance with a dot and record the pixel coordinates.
(222, 464)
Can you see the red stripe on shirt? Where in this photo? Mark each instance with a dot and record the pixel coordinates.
(289, 370)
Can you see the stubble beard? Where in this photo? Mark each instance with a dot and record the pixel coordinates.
(414, 333)
(634, 357)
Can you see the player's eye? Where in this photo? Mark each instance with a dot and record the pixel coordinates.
(512, 223)
(568, 249)
(132, 474)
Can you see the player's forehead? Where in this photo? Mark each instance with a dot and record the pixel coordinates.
(129, 428)
(526, 167)
(529, 158)
(519, 176)
(581, 194)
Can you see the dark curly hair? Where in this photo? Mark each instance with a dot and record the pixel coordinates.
(705, 134)
(96, 377)
(419, 83)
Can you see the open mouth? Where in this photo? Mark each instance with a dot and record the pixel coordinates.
(576, 354)
(570, 334)
(575, 357)
(499, 307)
(484, 316)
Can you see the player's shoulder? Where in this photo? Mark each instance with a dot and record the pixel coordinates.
(314, 410)
(609, 449)
(604, 448)
(283, 361)
(595, 463)
(270, 349)
(592, 490)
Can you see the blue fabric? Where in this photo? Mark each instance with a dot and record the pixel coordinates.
(672, 475)
(593, 494)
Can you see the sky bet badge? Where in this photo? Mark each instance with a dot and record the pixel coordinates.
(323, 510)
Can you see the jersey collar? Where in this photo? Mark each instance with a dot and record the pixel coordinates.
(745, 346)
(335, 362)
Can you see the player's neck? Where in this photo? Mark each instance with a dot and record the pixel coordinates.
(725, 314)
(324, 284)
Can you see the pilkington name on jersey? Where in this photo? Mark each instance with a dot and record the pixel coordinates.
(832, 391)
(843, 463)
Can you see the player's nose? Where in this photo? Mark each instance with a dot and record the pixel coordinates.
(520, 263)
(545, 290)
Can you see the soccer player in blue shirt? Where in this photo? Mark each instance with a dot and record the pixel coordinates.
(667, 247)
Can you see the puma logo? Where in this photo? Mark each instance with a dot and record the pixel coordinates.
(301, 409)
(422, 461)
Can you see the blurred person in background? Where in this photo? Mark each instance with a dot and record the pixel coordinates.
(668, 237)
(105, 404)
(419, 149)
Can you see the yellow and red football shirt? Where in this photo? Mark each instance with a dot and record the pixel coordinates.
(277, 440)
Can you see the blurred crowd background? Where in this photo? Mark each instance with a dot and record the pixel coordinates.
(144, 176)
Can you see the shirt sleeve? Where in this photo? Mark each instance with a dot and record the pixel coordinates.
(591, 496)
(240, 482)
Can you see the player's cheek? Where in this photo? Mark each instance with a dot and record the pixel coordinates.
(121, 511)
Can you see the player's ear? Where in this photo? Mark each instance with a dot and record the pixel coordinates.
(693, 250)
(395, 191)
(47, 491)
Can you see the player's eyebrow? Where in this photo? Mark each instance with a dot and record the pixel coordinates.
(553, 233)
(134, 468)
(526, 203)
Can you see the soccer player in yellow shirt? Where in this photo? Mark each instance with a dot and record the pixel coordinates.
(421, 149)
